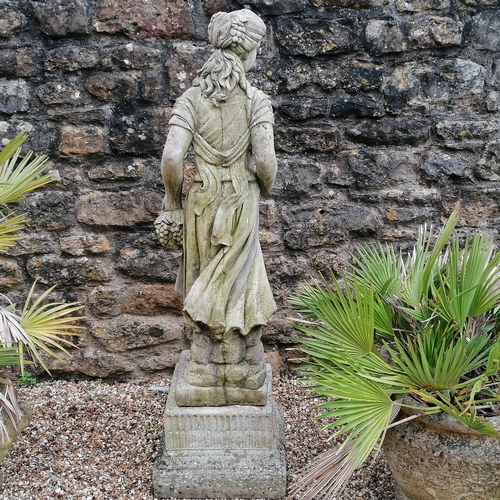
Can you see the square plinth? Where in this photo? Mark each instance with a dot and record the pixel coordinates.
(221, 451)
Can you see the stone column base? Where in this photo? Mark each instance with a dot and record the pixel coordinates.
(221, 451)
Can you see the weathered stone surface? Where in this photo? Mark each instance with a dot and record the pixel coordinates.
(433, 31)
(383, 37)
(8, 62)
(61, 17)
(141, 132)
(186, 59)
(93, 362)
(54, 270)
(493, 101)
(133, 332)
(14, 96)
(27, 61)
(320, 138)
(82, 141)
(311, 37)
(285, 268)
(488, 166)
(212, 6)
(138, 19)
(113, 86)
(486, 33)
(300, 108)
(366, 169)
(106, 301)
(349, 4)
(10, 273)
(79, 245)
(125, 208)
(81, 115)
(133, 55)
(153, 87)
(50, 210)
(481, 3)
(469, 134)
(64, 92)
(298, 177)
(141, 256)
(439, 164)
(113, 172)
(158, 358)
(421, 5)
(494, 80)
(152, 300)
(275, 7)
(389, 131)
(314, 225)
(70, 58)
(453, 78)
(401, 89)
(351, 76)
(11, 18)
(345, 105)
(34, 243)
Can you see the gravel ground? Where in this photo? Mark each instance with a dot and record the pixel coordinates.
(97, 441)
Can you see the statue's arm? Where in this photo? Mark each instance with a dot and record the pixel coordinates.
(265, 157)
(172, 166)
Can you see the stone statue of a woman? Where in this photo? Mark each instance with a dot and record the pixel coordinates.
(227, 297)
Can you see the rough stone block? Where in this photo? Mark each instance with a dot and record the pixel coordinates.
(401, 89)
(10, 273)
(82, 141)
(158, 358)
(345, 105)
(213, 6)
(312, 37)
(51, 210)
(132, 55)
(299, 177)
(421, 5)
(488, 166)
(79, 245)
(185, 60)
(117, 172)
(26, 61)
(141, 132)
(390, 131)
(327, 223)
(124, 208)
(486, 31)
(64, 92)
(61, 18)
(294, 139)
(8, 62)
(439, 164)
(14, 96)
(276, 7)
(494, 79)
(71, 58)
(299, 108)
(130, 332)
(113, 86)
(433, 31)
(221, 452)
(31, 243)
(139, 19)
(91, 114)
(11, 18)
(106, 301)
(493, 101)
(470, 134)
(349, 4)
(53, 270)
(152, 300)
(383, 37)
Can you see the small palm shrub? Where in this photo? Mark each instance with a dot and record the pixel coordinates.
(38, 326)
(421, 331)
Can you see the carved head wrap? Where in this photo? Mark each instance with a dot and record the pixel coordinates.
(240, 31)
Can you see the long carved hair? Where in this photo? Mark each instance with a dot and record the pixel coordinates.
(233, 35)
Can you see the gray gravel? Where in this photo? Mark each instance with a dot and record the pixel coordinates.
(91, 440)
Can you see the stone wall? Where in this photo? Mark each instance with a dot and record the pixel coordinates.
(387, 116)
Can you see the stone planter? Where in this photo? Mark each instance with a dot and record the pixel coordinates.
(14, 431)
(435, 457)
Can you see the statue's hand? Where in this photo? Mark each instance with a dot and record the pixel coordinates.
(169, 225)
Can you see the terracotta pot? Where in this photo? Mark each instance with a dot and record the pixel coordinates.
(435, 457)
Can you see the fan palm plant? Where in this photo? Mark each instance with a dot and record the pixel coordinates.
(420, 332)
(38, 327)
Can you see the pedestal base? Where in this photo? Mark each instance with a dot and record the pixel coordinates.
(221, 452)
(192, 395)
